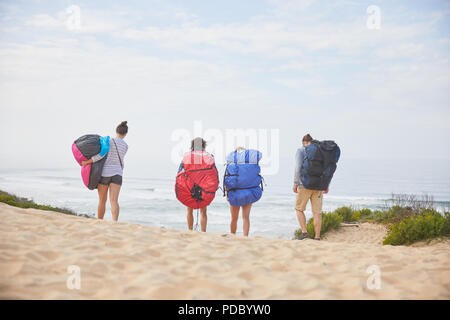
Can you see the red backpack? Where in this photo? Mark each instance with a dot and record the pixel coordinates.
(197, 182)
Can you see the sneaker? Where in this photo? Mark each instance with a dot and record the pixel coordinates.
(303, 236)
(317, 239)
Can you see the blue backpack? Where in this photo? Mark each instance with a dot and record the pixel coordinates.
(242, 180)
(319, 164)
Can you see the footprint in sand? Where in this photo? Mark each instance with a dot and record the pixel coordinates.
(11, 268)
(152, 253)
(114, 244)
(206, 270)
(49, 255)
(246, 275)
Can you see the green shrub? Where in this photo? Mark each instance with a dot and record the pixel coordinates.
(345, 212)
(329, 221)
(391, 215)
(397, 214)
(378, 216)
(418, 227)
(356, 215)
(429, 211)
(365, 213)
(409, 219)
(25, 203)
(368, 215)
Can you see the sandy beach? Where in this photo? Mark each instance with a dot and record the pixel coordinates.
(128, 261)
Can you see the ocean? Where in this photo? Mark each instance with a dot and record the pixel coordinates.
(151, 200)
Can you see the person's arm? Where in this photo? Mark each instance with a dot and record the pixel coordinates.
(180, 167)
(297, 167)
(95, 158)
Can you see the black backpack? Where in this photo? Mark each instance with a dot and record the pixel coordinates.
(319, 164)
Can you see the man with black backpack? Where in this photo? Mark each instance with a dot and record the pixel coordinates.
(315, 164)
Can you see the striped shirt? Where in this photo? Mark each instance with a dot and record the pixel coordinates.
(112, 165)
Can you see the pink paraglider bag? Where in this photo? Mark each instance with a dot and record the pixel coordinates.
(86, 170)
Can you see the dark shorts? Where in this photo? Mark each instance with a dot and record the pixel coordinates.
(117, 179)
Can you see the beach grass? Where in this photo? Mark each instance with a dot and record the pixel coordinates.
(330, 221)
(409, 219)
(25, 203)
(425, 226)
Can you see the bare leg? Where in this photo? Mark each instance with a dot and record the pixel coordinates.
(204, 220)
(246, 218)
(114, 190)
(301, 220)
(190, 218)
(317, 224)
(102, 197)
(234, 218)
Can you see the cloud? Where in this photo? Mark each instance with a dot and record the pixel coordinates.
(400, 50)
(49, 90)
(272, 38)
(293, 67)
(45, 21)
(313, 86)
(91, 21)
(282, 7)
(268, 35)
(421, 86)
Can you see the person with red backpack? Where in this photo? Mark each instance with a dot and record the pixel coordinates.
(197, 182)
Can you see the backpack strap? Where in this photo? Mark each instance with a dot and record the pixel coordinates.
(247, 156)
(117, 150)
(223, 182)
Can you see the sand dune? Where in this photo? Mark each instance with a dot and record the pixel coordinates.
(364, 233)
(127, 261)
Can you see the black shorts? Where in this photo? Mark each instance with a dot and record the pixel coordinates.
(117, 179)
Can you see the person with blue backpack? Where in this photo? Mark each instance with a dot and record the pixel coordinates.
(315, 164)
(242, 184)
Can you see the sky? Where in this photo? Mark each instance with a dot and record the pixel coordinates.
(375, 82)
